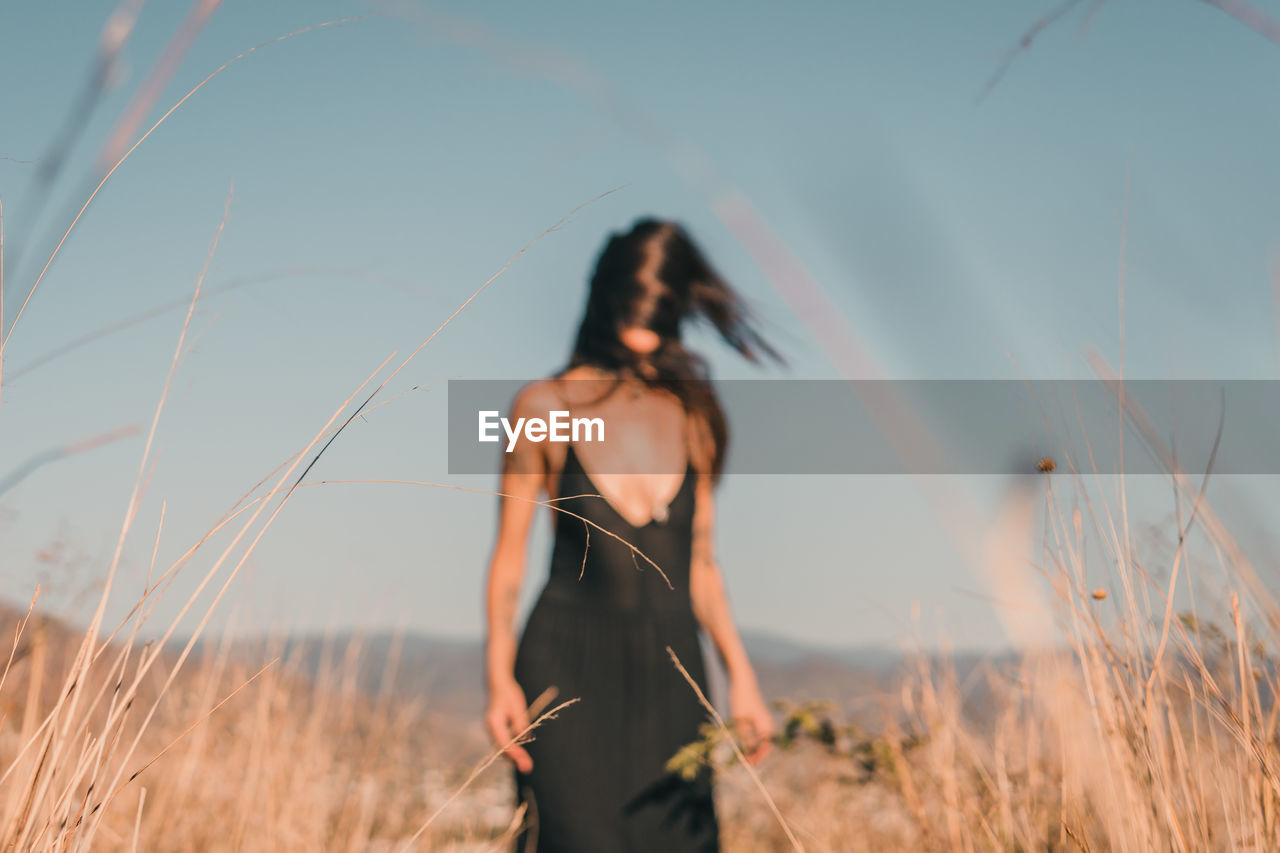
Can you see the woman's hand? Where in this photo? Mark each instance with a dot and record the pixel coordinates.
(752, 716)
(507, 716)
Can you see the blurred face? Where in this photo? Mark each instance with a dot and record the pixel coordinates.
(639, 340)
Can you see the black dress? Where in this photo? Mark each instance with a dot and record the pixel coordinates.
(599, 633)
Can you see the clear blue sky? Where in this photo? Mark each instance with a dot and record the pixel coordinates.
(400, 161)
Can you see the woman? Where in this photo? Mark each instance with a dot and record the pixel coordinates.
(593, 780)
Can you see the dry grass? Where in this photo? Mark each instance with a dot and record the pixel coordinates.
(289, 763)
(1146, 728)
(1140, 732)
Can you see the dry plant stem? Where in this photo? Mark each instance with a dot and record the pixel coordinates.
(236, 507)
(1212, 525)
(58, 248)
(545, 698)
(214, 677)
(151, 566)
(1251, 16)
(17, 635)
(137, 821)
(503, 842)
(331, 435)
(136, 611)
(1024, 44)
(85, 656)
(559, 222)
(157, 79)
(381, 710)
(441, 328)
(334, 433)
(164, 308)
(522, 737)
(1077, 592)
(1178, 556)
(1246, 13)
(1173, 822)
(200, 721)
(450, 319)
(34, 463)
(231, 576)
(112, 39)
(547, 503)
(168, 576)
(278, 488)
(155, 421)
(755, 777)
(144, 668)
(1126, 549)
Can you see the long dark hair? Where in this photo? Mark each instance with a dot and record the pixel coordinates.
(655, 277)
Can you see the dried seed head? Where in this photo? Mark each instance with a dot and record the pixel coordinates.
(1046, 465)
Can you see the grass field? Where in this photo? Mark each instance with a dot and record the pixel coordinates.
(1144, 730)
(1148, 723)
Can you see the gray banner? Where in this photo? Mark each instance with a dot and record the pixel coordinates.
(935, 426)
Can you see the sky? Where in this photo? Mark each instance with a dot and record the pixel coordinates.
(381, 170)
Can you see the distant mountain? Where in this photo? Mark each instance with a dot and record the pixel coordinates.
(446, 675)
(776, 648)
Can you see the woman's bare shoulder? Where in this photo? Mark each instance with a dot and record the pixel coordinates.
(536, 399)
(582, 385)
(575, 386)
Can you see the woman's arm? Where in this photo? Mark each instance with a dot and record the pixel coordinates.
(706, 587)
(507, 563)
(523, 476)
(711, 607)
